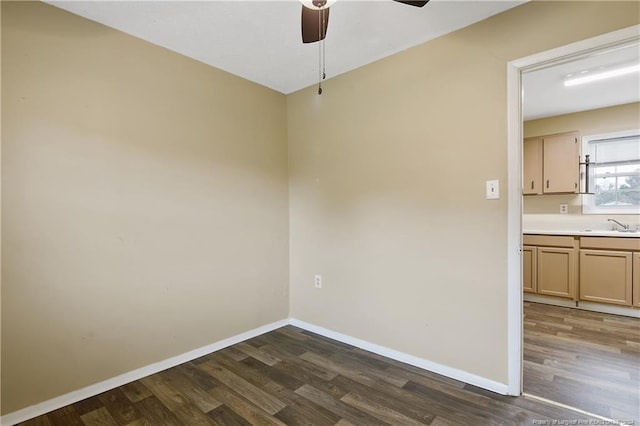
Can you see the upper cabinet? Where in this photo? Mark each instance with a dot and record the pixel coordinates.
(551, 164)
(561, 163)
(532, 166)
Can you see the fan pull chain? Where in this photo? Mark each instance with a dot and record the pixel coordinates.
(324, 71)
(319, 67)
(322, 74)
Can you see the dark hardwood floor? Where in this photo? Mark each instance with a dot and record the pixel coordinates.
(583, 359)
(294, 377)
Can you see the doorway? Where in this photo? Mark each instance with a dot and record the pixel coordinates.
(516, 69)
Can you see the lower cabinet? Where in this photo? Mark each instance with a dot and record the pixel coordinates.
(605, 276)
(550, 265)
(636, 280)
(556, 271)
(591, 269)
(529, 269)
(607, 270)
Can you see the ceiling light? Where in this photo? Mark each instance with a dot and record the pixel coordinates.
(588, 78)
(317, 4)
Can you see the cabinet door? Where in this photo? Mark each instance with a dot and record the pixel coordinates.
(636, 280)
(529, 266)
(605, 276)
(532, 166)
(556, 271)
(561, 163)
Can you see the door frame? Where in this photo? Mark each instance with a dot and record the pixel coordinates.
(515, 69)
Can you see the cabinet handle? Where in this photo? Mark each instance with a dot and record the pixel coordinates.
(531, 184)
(547, 183)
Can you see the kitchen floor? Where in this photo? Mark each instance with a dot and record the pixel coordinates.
(583, 359)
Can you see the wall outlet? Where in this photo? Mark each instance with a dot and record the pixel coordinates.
(564, 208)
(317, 281)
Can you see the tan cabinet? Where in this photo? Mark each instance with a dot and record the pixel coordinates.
(636, 280)
(529, 269)
(556, 271)
(605, 276)
(532, 166)
(550, 265)
(551, 164)
(561, 160)
(590, 269)
(607, 269)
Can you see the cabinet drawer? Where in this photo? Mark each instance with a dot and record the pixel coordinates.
(548, 240)
(610, 243)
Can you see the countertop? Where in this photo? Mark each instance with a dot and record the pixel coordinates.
(583, 233)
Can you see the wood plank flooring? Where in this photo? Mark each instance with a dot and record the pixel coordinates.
(584, 359)
(294, 377)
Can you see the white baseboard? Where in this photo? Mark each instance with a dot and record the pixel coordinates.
(98, 388)
(434, 367)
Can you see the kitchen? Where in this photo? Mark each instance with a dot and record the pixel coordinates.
(581, 232)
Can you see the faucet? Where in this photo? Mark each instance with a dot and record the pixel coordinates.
(625, 227)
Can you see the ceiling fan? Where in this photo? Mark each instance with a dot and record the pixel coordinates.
(315, 17)
(315, 20)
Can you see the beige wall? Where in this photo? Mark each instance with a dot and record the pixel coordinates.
(596, 121)
(145, 197)
(604, 120)
(144, 204)
(387, 176)
(0, 211)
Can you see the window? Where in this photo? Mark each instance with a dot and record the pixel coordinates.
(614, 173)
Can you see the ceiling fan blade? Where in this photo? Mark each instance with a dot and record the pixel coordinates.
(314, 24)
(413, 3)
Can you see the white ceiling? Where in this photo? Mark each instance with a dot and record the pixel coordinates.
(544, 94)
(260, 41)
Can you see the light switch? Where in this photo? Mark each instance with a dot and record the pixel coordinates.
(493, 190)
